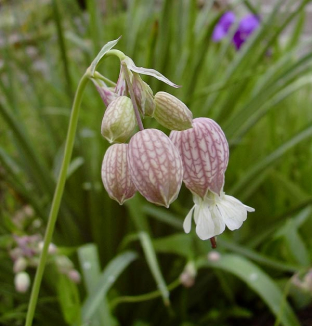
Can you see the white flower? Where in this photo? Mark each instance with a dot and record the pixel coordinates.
(22, 282)
(214, 212)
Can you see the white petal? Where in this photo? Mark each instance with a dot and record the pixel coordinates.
(187, 224)
(207, 226)
(233, 212)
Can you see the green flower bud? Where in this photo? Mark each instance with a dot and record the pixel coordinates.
(171, 113)
(119, 120)
(143, 96)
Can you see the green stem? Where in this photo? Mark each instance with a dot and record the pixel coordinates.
(144, 297)
(116, 53)
(57, 197)
(99, 76)
(135, 106)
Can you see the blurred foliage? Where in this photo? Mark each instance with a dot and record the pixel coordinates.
(261, 97)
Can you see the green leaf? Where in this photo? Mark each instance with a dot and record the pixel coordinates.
(68, 296)
(154, 266)
(90, 266)
(267, 162)
(179, 244)
(107, 279)
(101, 54)
(258, 281)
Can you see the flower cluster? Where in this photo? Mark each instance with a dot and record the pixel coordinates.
(246, 26)
(196, 153)
(26, 249)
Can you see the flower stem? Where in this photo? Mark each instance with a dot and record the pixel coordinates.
(213, 243)
(144, 297)
(135, 106)
(99, 76)
(58, 193)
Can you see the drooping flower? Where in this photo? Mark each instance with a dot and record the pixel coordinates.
(155, 166)
(223, 26)
(171, 112)
(116, 175)
(213, 213)
(119, 120)
(107, 93)
(142, 92)
(205, 153)
(246, 27)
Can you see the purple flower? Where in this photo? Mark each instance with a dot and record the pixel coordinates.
(246, 27)
(223, 26)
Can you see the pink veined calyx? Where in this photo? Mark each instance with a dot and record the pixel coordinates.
(205, 153)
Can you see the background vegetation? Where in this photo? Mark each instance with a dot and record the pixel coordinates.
(130, 256)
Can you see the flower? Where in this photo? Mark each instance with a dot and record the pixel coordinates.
(205, 153)
(172, 113)
(142, 92)
(22, 282)
(116, 175)
(214, 212)
(107, 93)
(223, 26)
(119, 122)
(155, 166)
(246, 27)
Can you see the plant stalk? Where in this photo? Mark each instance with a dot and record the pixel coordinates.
(57, 197)
(135, 106)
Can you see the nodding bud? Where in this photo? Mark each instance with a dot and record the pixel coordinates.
(74, 275)
(205, 153)
(107, 93)
(22, 282)
(172, 113)
(155, 166)
(143, 95)
(119, 120)
(116, 175)
(121, 86)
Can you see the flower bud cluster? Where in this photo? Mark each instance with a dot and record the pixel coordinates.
(149, 163)
(196, 152)
(25, 254)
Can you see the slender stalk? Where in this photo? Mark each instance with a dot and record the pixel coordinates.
(135, 106)
(99, 76)
(144, 297)
(57, 197)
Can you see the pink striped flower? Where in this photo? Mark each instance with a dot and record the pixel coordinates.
(116, 175)
(205, 153)
(155, 166)
(107, 93)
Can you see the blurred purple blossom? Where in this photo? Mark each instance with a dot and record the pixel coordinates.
(223, 26)
(246, 27)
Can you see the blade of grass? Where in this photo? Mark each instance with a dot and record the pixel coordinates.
(141, 224)
(271, 159)
(90, 266)
(258, 281)
(106, 280)
(62, 46)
